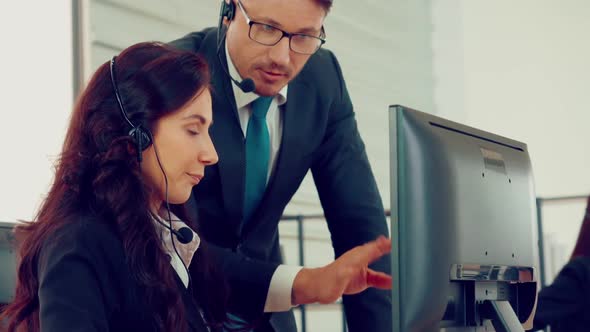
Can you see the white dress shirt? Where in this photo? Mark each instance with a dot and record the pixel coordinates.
(281, 284)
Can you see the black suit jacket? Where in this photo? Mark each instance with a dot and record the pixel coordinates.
(565, 304)
(319, 133)
(85, 284)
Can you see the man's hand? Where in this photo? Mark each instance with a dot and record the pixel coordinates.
(349, 274)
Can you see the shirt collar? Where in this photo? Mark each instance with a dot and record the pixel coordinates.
(186, 251)
(242, 98)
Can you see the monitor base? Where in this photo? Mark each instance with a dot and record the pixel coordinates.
(503, 317)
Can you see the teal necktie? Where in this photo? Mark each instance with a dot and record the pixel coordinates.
(257, 156)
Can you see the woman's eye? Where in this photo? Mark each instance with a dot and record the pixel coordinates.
(192, 132)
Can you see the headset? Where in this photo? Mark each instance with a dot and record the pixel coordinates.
(142, 138)
(228, 10)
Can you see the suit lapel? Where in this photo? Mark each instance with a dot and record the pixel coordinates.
(192, 311)
(227, 136)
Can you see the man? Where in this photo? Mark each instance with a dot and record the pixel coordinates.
(272, 49)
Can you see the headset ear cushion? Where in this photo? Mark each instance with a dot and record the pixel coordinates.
(228, 9)
(141, 138)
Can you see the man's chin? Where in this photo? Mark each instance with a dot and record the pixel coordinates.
(268, 90)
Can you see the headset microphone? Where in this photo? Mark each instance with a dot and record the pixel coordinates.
(184, 235)
(228, 10)
(246, 85)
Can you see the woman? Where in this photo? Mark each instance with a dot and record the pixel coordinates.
(98, 256)
(565, 304)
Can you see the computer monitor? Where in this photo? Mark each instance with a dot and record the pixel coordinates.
(7, 263)
(462, 223)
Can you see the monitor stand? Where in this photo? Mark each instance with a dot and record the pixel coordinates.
(502, 315)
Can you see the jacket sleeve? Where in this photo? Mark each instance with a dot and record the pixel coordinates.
(70, 298)
(564, 299)
(352, 204)
(247, 279)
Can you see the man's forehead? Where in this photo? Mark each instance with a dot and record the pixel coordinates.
(295, 15)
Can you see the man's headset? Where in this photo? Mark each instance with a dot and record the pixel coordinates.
(142, 138)
(228, 10)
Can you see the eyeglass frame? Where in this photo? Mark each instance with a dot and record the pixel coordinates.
(250, 23)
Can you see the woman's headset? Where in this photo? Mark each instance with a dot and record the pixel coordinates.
(142, 137)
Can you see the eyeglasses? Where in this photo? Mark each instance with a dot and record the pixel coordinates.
(269, 35)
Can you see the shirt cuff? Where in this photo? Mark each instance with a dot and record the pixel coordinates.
(281, 286)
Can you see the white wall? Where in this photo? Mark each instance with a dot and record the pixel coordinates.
(520, 69)
(36, 95)
(523, 73)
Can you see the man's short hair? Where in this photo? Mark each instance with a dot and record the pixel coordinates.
(325, 4)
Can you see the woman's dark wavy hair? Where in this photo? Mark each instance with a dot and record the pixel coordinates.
(98, 170)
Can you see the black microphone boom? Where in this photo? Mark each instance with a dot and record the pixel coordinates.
(246, 85)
